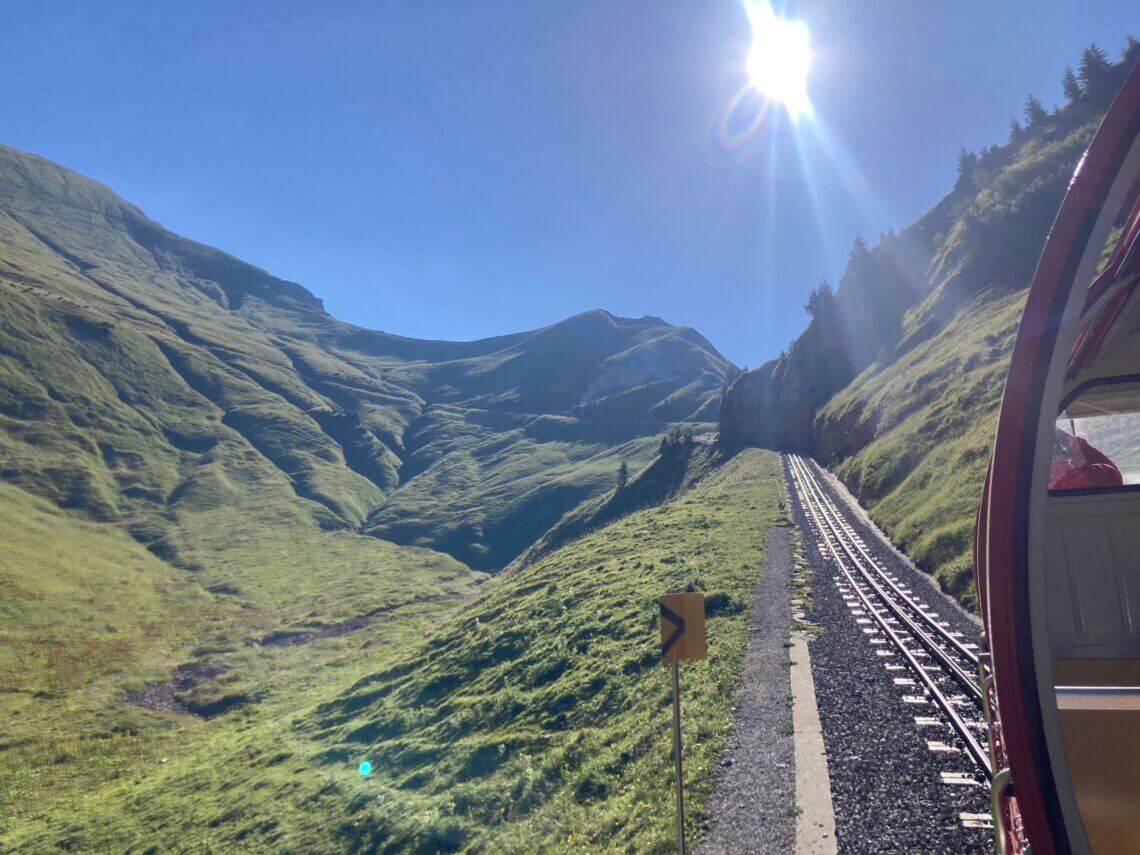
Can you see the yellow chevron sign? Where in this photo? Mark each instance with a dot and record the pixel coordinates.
(683, 627)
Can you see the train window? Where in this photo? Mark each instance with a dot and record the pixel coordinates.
(1096, 441)
(1091, 580)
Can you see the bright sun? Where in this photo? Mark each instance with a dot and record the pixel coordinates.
(780, 58)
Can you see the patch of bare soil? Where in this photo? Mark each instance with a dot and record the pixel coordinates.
(173, 695)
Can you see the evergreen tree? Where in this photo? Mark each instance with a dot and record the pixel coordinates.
(819, 300)
(967, 163)
(1014, 130)
(1070, 85)
(1131, 52)
(1034, 111)
(1094, 68)
(858, 275)
(623, 475)
(987, 159)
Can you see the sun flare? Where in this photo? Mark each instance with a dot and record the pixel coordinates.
(780, 58)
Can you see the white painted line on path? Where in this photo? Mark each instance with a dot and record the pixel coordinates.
(815, 822)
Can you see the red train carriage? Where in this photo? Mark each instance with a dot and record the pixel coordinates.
(1057, 545)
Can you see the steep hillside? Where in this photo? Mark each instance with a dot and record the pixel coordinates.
(680, 463)
(897, 378)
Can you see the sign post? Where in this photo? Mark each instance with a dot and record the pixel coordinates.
(677, 758)
(682, 637)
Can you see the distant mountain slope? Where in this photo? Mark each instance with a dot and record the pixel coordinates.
(143, 376)
(679, 465)
(220, 507)
(897, 378)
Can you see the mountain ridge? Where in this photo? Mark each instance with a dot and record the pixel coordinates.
(350, 417)
(222, 507)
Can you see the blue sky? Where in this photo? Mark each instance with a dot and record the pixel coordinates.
(459, 169)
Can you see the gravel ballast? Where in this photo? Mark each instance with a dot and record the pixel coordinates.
(886, 784)
(752, 808)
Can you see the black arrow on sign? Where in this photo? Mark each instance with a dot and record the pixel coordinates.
(670, 615)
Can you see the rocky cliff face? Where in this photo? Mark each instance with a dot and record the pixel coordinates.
(775, 405)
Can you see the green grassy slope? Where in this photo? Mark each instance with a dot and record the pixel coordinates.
(220, 506)
(911, 435)
(89, 615)
(549, 694)
(220, 418)
(935, 412)
(908, 420)
(678, 465)
(537, 719)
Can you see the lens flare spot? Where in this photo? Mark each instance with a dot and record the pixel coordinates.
(365, 768)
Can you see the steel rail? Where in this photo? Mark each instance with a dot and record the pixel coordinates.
(977, 753)
(845, 537)
(958, 646)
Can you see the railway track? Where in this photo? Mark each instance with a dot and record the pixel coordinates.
(939, 665)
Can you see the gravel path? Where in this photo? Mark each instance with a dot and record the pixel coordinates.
(752, 808)
(885, 783)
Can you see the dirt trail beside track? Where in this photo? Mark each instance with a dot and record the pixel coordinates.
(752, 809)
